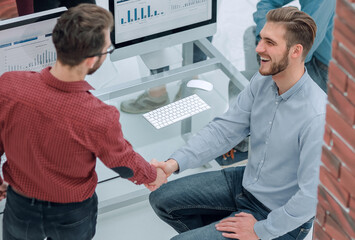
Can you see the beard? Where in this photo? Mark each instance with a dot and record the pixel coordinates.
(96, 66)
(276, 67)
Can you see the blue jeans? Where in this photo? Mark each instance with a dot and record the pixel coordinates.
(193, 205)
(28, 218)
(318, 72)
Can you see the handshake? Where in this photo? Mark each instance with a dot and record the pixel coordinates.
(164, 170)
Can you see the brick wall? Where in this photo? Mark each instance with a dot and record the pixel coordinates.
(335, 217)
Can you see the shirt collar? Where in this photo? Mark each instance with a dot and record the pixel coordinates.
(79, 86)
(286, 95)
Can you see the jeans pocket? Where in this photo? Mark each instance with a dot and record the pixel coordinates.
(14, 226)
(77, 224)
(303, 233)
(73, 230)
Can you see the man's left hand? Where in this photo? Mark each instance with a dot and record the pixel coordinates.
(239, 227)
(3, 190)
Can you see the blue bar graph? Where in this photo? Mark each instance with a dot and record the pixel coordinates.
(40, 61)
(150, 14)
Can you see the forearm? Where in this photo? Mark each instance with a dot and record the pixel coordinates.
(286, 218)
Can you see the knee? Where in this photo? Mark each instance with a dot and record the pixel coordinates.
(158, 199)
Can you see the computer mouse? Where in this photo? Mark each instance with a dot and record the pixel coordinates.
(201, 84)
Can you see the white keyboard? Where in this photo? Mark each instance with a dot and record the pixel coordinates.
(176, 111)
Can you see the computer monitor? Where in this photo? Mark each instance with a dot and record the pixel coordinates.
(26, 42)
(143, 26)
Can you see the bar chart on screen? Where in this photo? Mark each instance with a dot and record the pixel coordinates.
(28, 54)
(141, 18)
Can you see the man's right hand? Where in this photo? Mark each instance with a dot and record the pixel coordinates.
(160, 180)
(170, 166)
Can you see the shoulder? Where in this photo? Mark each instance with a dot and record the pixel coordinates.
(315, 99)
(18, 80)
(99, 115)
(259, 83)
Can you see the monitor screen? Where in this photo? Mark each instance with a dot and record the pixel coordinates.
(26, 42)
(140, 21)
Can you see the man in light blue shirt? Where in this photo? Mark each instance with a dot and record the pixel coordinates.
(283, 110)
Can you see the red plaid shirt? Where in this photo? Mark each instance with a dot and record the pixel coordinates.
(52, 131)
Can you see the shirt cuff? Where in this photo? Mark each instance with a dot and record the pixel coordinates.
(262, 232)
(180, 158)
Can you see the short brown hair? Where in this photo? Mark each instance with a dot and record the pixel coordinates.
(79, 33)
(300, 27)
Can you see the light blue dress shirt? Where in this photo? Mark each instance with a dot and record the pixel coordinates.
(322, 12)
(286, 136)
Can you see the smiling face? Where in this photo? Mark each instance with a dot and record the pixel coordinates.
(272, 49)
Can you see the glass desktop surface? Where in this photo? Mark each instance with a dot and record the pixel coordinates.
(161, 143)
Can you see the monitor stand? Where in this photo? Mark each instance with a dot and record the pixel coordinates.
(161, 58)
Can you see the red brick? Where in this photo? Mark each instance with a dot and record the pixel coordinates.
(352, 207)
(351, 90)
(322, 198)
(346, 108)
(337, 123)
(335, 45)
(321, 214)
(337, 77)
(331, 162)
(345, 59)
(339, 214)
(334, 186)
(344, 33)
(335, 230)
(347, 180)
(345, 12)
(344, 153)
(327, 135)
(319, 233)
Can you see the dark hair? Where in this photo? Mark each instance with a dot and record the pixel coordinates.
(80, 32)
(300, 27)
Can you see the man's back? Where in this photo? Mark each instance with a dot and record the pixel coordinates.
(49, 129)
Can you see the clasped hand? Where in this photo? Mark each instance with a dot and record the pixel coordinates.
(164, 170)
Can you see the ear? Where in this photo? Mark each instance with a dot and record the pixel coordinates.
(296, 51)
(90, 62)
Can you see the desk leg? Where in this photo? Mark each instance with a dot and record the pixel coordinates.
(187, 55)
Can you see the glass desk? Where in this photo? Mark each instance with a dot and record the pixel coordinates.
(151, 143)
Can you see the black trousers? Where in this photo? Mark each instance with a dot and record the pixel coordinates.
(42, 5)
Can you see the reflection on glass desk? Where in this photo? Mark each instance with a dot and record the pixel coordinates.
(160, 143)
